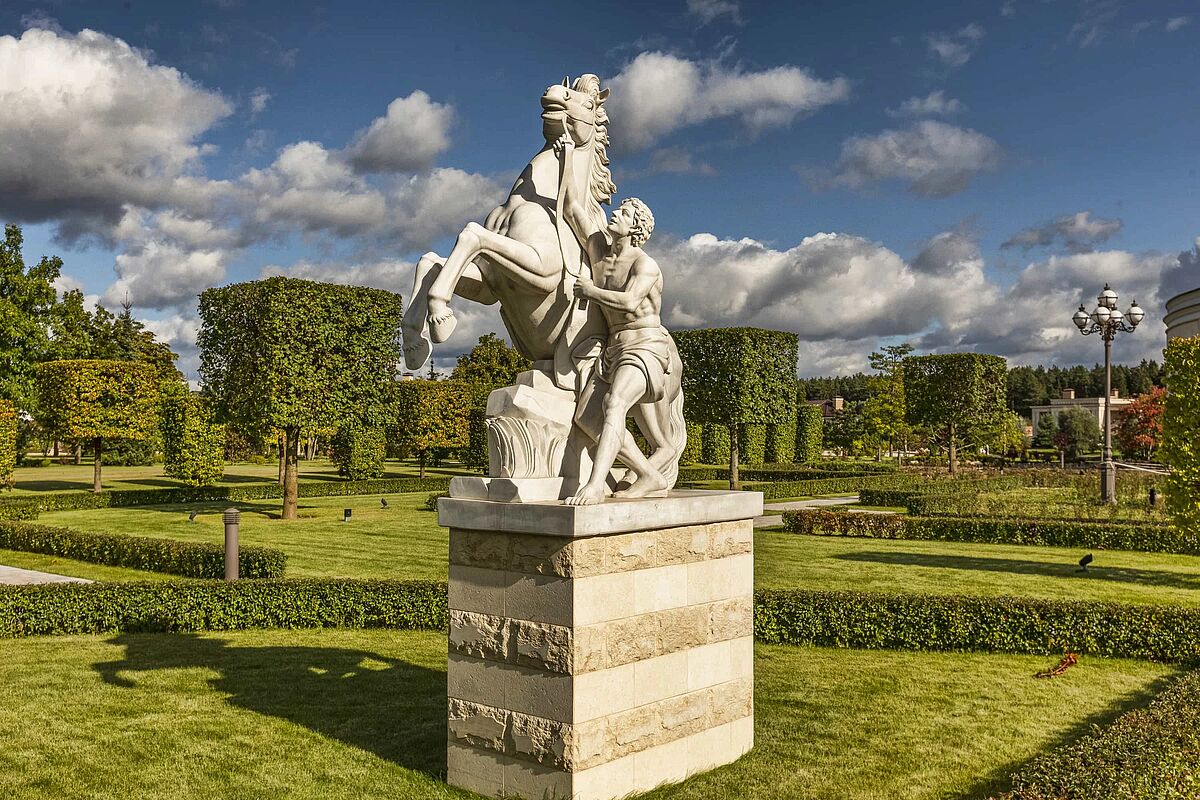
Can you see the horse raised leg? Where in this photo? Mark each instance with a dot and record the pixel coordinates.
(522, 262)
(471, 285)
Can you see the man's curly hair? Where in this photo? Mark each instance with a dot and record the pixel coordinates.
(643, 221)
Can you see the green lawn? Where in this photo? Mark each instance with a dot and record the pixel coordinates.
(76, 569)
(65, 478)
(350, 714)
(405, 542)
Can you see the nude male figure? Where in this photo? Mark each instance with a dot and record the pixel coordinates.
(627, 285)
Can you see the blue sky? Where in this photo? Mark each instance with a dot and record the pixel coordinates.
(959, 175)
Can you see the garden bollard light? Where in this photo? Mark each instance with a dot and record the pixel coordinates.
(231, 544)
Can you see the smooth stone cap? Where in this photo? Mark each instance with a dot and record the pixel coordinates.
(555, 518)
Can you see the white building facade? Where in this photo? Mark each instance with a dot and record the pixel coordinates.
(1092, 405)
(1183, 315)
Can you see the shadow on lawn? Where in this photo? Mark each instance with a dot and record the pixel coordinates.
(1148, 577)
(385, 706)
(1000, 779)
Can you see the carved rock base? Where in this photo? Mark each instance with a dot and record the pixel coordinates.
(599, 651)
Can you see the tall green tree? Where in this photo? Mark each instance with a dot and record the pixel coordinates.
(432, 415)
(738, 376)
(490, 362)
(955, 393)
(1080, 430)
(884, 412)
(8, 443)
(292, 355)
(98, 401)
(193, 444)
(27, 298)
(1047, 427)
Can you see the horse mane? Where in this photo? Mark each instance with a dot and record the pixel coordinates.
(601, 186)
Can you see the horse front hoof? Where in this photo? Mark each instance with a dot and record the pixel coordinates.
(416, 354)
(441, 326)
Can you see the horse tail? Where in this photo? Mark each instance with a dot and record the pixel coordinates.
(676, 436)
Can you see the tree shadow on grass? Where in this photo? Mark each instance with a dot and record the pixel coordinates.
(1146, 577)
(1000, 779)
(380, 704)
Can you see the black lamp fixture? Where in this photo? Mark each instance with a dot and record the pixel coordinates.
(346, 512)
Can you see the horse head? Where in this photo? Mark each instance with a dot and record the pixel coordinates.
(579, 107)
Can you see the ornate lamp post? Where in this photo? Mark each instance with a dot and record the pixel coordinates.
(1106, 320)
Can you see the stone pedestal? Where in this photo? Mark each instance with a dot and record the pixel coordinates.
(601, 650)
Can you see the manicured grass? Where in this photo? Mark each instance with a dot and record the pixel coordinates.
(69, 477)
(406, 542)
(349, 714)
(78, 569)
(784, 560)
(401, 541)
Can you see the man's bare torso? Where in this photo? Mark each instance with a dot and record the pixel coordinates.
(615, 273)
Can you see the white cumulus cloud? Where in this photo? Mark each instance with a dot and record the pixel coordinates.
(658, 93)
(934, 158)
(409, 137)
(955, 48)
(931, 105)
(1079, 233)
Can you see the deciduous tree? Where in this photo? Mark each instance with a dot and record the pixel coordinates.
(432, 415)
(736, 376)
(1139, 428)
(98, 401)
(294, 355)
(955, 393)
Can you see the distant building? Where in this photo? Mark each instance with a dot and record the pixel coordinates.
(1092, 405)
(831, 406)
(1183, 315)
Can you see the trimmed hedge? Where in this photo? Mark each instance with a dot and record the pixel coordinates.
(1151, 752)
(781, 443)
(189, 559)
(810, 431)
(8, 443)
(714, 444)
(802, 488)
(58, 609)
(691, 451)
(882, 621)
(124, 498)
(359, 451)
(26, 510)
(752, 443)
(995, 530)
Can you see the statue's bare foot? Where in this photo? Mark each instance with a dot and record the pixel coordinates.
(651, 484)
(586, 496)
(441, 321)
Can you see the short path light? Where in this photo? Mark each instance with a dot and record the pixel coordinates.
(1106, 319)
(346, 512)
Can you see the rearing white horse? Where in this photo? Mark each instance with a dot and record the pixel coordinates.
(517, 256)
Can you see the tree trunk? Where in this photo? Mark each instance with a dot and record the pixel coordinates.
(291, 489)
(79, 454)
(734, 482)
(279, 444)
(953, 452)
(1062, 459)
(97, 462)
(421, 462)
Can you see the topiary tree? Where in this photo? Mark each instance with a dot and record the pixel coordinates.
(490, 362)
(781, 442)
(8, 443)
(1181, 421)
(692, 450)
(296, 355)
(193, 443)
(98, 401)
(955, 393)
(810, 433)
(432, 415)
(359, 451)
(738, 376)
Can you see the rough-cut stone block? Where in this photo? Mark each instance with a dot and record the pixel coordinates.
(543, 646)
(731, 538)
(635, 551)
(682, 545)
(479, 635)
(632, 639)
(731, 618)
(682, 628)
(479, 549)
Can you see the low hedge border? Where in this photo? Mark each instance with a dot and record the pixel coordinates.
(19, 509)
(995, 530)
(124, 498)
(777, 472)
(189, 559)
(881, 621)
(1151, 752)
(176, 606)
(773, 490)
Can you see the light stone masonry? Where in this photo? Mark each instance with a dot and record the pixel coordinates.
(602, 659)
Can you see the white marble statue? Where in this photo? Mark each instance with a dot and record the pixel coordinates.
(581, 300)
